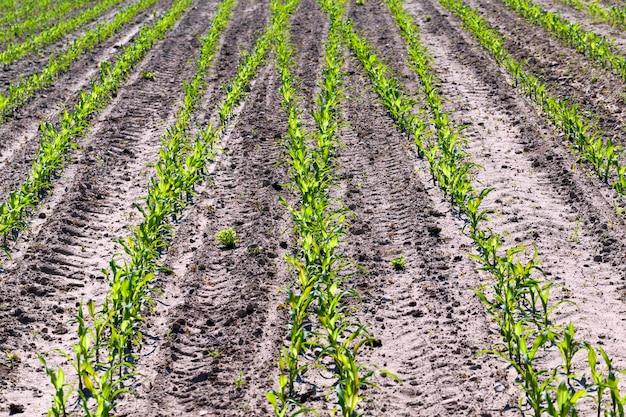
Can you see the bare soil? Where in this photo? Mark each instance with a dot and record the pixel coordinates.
(211, 344)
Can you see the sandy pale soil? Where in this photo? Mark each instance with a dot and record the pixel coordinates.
(210, 346)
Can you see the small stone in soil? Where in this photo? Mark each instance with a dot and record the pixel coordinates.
(499, 387)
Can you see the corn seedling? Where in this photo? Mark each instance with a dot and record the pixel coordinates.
(589, 144)
(34, 43)
(613, 15)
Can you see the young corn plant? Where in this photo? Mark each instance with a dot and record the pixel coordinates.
(104, 355)
(35, 43)
(25, 88)
(58, 140)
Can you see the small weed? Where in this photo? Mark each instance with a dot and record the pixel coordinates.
(398, 263)
(214, 353)
(574, 237)
(12, 359)
(239, 382)
(147, 75)
(227, 237)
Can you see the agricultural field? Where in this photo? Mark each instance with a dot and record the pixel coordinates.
(312, 207)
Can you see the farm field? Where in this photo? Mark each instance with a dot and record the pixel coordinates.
(312, 207)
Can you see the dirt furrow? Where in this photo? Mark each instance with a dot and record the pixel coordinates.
(566, 73)
(309, 29)
(218, 341)
(425, 320)
(538, 197)
(19, 136)
(58, 263)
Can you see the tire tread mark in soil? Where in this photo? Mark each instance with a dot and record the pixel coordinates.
(309, 29)
(93, 203)
(426, 318)
(224, 334)
(567, 73)
(240, 35)
(19, 136)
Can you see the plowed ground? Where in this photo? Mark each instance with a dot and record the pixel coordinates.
(210, 346)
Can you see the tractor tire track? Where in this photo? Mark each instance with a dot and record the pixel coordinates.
(19, 135)
(58, 263)
(538, 199)
(426, 322)
(216, 345)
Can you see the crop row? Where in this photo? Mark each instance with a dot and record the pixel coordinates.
(591, 44)
(40, 20)
(518, 299)
(25, 88)
(107, 338)
(590, 143)
(57, 141)
(15, 11)
(613, 15)
(319, 224)
(33, 44)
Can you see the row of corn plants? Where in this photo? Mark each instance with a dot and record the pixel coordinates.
(592, 45)
(35, 43)
(58, 140)
(40, 20)
(15, 11)
(300, 295)
(319, 226)
(24, 88)
(104, 356)
(590, 144)
(613, 15)
(517, 298)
